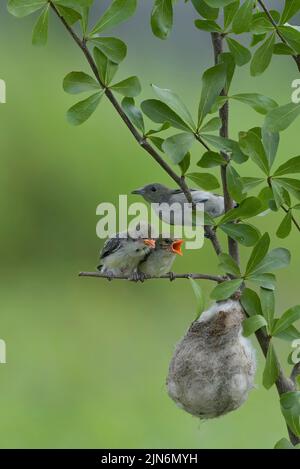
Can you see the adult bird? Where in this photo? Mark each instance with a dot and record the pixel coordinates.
(163, 198)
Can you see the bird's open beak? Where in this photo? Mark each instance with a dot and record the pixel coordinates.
(137, 191)
(150, 243)
(176, 247)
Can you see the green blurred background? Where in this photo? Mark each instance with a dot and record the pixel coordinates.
(87, 359)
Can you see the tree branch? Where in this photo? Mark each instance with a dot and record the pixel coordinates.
(270, 18)
(217, 41)
(172, 276)
(138, 137)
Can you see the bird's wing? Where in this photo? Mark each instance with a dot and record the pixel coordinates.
(197, 195)
(110, 246)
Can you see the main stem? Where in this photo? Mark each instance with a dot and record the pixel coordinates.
(217, 40)
(283, 384)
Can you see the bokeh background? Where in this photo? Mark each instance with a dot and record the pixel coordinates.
(87, 359)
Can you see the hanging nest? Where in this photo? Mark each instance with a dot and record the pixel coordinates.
(213, 367)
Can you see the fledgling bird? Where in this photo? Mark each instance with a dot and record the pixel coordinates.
(122, 254)
(159, 261)
(158, 194)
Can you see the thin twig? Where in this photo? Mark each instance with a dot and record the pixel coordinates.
(138, 137)
(171, 276)
(282, 38)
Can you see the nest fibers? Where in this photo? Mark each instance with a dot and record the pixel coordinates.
(213, 367)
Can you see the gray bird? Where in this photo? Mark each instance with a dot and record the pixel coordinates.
(159, 261)
(121, 255)
(158, 193)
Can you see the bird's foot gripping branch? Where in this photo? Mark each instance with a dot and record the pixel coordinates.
(275, 187)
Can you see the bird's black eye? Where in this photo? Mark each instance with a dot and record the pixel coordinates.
(137, 250)
(153, 189)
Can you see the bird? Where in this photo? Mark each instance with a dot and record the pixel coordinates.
(122, 253)
(159, 261)
(156, 193)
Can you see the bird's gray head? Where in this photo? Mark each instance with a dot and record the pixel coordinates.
(154, 193)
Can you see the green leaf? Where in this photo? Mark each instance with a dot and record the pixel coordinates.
(204, 10)
(213, 81)
(81, 111)
(248, 208)
(282, 49)
(282, 117)
(226, 145)
(262, 57)
(160, 113)
(234, 183)
(291, 185)
(118, 12)
(226, 289)
(174, 102)
(24, 7)
(250, 182)
(271, 371)
(270, 142)
(251, 302)
(227, 59)
(162, 18)
(252, 146)
(291, 7)
(177, 146)
(40, 31)
(208, 25)
(243, 17)
(277, 193)
(286, 320)
(252, 324)
(290, 408)
(284, 443)
(289, 167)
(258, 102)
(130, 87)
(213, 124)
(204, 180)
(241, 54)
(229, 13)
(79, 82)
(292, 36)
(267, 281)
(228, 264)
(267, 300)
(69, 14)
(113, 48)
(199, 297)
(106, 68)
(210, 159)
(133, 113)
(285, 226)
(258, 253)
(276, 259)
(245, 234)
(185, 164)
